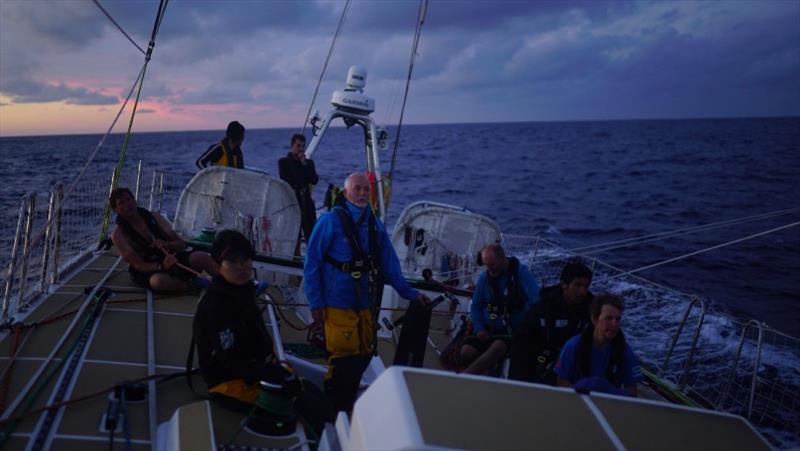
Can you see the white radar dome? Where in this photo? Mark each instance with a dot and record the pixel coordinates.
(356, 78)
(352, 98)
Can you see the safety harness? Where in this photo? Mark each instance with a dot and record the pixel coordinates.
(504, 304)
(547, 330)
(141, 244)
(362, 262)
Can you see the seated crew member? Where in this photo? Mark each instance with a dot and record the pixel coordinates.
(349, 257)
(599, 359)
(561, 313)
(227, 152)
(504, 294)
(299, 172)
(234, 349)
(155, 254)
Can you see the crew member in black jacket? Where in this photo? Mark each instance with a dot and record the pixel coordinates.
(561, 313)
(233, 346)
(299, 172)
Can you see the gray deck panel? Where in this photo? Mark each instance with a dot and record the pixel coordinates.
(172, 336)
(186, 304)
(121, 336)
(667, 428)
(175, 393)
(65, 444)
(40, 341)
(510, 416)
(24, 367)
(83, 418)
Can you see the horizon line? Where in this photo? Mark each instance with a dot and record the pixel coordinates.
(553, 121)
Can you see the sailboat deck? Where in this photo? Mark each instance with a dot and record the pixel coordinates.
(139, 334)
(126, 343)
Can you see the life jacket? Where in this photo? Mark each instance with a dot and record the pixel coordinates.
(614, 370)
(555, 323)
(139, 243)
(227, 158)
(501, 305)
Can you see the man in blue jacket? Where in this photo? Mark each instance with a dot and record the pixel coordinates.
(348, 259)
(504, 294)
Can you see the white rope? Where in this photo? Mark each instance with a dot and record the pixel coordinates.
(609, 245)
(635, 241)
(690, 254)
(103, 139)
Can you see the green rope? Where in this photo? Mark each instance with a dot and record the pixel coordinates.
(667, 390)
(121, 160)
(162, 7)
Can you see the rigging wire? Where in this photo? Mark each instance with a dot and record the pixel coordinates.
(690, 254)
(162, 6)
(423, 9)
(325, 66)
(96, 2)
(609, 245)
(635, 241)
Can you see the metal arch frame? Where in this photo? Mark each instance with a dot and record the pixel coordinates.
(370, 146)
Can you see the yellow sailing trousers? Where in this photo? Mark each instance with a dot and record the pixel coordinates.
(348, 333)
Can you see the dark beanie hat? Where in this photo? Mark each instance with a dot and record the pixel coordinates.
(235, 131)
(230, 244)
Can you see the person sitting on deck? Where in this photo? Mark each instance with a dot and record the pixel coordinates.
(234, 349)
(503, 296)
(227, 152)
(599, 359)
(561, 313)
(156, 255)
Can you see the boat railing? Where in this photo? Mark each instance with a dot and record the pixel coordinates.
(59, 235)
(759, 328)
(695, 302)
(25, 220)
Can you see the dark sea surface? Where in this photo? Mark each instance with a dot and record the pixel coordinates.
(573, 183)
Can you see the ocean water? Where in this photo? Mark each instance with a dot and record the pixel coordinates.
(573, 183)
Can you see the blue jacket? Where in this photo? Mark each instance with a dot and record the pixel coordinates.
(567, 367)
(479, 312)
(326, 286)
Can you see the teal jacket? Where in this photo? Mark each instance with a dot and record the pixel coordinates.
(326, 286)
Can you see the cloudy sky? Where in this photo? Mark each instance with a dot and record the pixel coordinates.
(65, 68)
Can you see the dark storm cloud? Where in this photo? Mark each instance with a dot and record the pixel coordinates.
(26, 91)
(518, 60)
